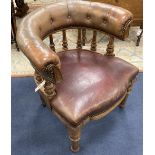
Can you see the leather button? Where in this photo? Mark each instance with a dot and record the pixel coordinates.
(52, 20)
(88, 16)
(105, 20)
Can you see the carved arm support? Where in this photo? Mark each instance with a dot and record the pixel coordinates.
(53, 76)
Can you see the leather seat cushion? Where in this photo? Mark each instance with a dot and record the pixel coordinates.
(92, 83)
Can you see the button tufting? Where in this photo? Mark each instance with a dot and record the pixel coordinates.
(52, 20)
(105, 20)
(88, 17)
(69, 16)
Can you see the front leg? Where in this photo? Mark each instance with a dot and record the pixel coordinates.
(74, 136)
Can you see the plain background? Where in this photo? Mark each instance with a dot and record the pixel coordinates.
(149, 77)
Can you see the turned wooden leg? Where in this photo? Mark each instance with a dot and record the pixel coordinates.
(74, 136)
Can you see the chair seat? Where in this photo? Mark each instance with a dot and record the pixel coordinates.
(92, 83)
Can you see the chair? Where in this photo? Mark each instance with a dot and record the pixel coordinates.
(80, 85)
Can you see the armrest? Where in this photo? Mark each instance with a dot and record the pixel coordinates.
(38, 53)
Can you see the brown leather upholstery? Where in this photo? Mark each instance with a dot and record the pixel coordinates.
(91, 84)
(38, 24)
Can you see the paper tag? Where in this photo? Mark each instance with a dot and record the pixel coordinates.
(40, 86)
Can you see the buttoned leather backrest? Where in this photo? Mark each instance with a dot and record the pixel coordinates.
(37, 25)
(104, 17)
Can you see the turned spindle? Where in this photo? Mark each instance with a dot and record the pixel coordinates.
(93, 43)
(64, 41)
(83, 37)
(110, 47)
(79, 43)
(52, 45)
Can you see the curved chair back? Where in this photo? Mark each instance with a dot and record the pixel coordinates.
(112, 20)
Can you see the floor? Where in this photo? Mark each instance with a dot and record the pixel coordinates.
(36, 131)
